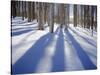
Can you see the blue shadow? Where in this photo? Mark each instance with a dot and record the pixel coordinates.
(33, 28)
(20, 22)
(58, 59)
(29, 61)
(84, 58)
(89, 41)
(30, 24)
(20, 32)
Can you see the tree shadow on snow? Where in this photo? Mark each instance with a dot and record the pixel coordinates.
(58, 58)
(29, 61)
(89, 41)
(20, 32)
(84, 58)
(33, 28)
(24, 24)
(22, 42)
(19, 21)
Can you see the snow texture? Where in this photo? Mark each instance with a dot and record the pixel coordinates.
(37, 51)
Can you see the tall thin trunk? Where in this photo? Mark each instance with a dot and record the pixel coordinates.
(25, 10)
(92, 18)
(66, 16)
(61, 15)
(32, 11)
(22, 10)
(40, 15)
(75, 15)
(51, 17)
(29, 11)
(95, 18)
(13, 8)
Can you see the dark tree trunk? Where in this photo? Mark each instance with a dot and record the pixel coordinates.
(13, 8)
(75, 15)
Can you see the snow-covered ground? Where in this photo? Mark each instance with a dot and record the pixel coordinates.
(35, 51)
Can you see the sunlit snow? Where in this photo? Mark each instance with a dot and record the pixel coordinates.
(36, 50)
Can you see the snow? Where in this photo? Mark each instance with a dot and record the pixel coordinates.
(37, 51)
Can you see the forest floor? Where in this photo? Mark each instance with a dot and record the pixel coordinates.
(36, 51)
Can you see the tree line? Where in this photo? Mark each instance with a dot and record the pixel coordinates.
(86, 17)
(50, 13)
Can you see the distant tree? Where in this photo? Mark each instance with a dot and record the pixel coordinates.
(92, 18)
(95, 22)
(36, 10)
(66, 16)
(22, 5)
(81, 6)
(43, 13)
(19, 8)
(13, 9)
(61, 14)
(51, 17)
(25, 9)
(40, 16)
(32, 11)
(48, 14)
(75, 15)
(29, 11)
(85, 18)
(78, 15)
(88, 17)
(57, 13)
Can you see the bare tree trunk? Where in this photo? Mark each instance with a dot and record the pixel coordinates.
(48, 12)
(75, 15)
(22, 10)
(51, 17)
(36, 11)
(25, 10)
(84, 16)
(58, 13)
(43, 14)
(19, 8)
(78, 15)
(92, 18)
(29, 11)
(40, 15)
(32, 11)
(61, 15)
(88, 17)
(95, 24)
(66, 16)
(13, 8)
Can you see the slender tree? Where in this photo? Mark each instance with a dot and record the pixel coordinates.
(13, 9)
(95, 24)
(40, 16)
(29, 11)
(92, 18)
(32, 11)
(51, 16)
(66, 16)
(81, 6)
(22, 9)
(25, 9)
(61, 14)
(75, 15)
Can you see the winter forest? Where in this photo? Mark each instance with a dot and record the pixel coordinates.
(52, 37)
